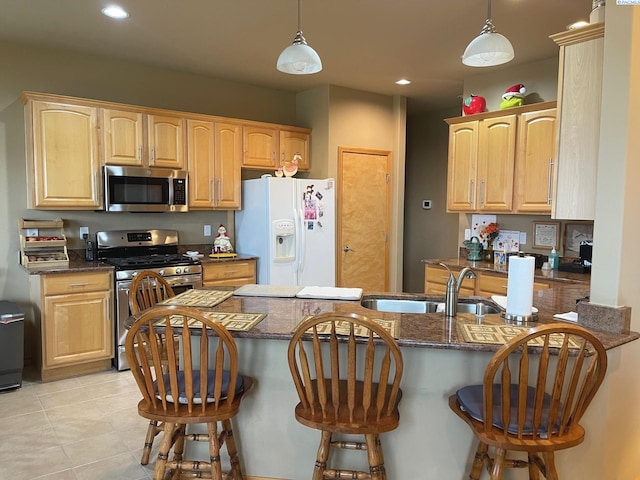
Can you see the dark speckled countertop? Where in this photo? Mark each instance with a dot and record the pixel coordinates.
(431, 330)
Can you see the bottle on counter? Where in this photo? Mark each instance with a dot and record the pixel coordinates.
(554, 259)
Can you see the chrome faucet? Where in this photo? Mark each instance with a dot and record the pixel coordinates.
(453, 289)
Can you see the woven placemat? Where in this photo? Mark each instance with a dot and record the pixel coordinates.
(198, 298)
(343, 327)
(239, 322)
(501, 334)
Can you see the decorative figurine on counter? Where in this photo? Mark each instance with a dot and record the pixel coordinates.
(474, 104)
(222, 244)
(513, 97)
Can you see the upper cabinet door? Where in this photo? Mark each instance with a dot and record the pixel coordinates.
(64, 165)
(166, 141)
(200, 159)
(535, 161)
(579, 102)
(228, 160)
(298, 144)
(122, 136)
(260, 147)
(461, 175)
(496, 153)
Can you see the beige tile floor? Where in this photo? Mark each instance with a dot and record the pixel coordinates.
(81, 428)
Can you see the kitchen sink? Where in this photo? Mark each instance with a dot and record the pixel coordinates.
(399, 305)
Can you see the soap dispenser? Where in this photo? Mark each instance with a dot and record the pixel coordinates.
(554, 259)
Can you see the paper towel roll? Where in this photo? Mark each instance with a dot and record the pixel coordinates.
(520, 285)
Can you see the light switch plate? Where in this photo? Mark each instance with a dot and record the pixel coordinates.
(523, 238)
(207, 230)
(84, 231)
(467, 234)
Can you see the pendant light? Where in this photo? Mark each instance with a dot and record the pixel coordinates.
(299, 58)
(489, 48)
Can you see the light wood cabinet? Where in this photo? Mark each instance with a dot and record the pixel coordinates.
(535, 156)
(484, 285)
(435, 281)
(481, 163)
(133, 137)
(76, 323)
(268, 147)
(490, 155)
(295, 143)
(579, 103)
(63, 155)
(231, 273)
(496, 284)
(214, 155)
(260, 147)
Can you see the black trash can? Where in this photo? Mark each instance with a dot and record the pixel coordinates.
(11, 345)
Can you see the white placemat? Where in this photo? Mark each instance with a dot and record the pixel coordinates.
(255, 290)
(330, 293)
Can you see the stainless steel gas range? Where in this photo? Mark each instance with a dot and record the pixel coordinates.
(132, 251)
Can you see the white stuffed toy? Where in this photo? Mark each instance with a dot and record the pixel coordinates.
(513, 97)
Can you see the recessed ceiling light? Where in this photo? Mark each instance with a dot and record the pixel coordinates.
(114, 11)
(403, 81)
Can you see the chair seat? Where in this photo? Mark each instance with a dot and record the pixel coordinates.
(179, 413)
(195, 375)
(345, 421)
(471, 401)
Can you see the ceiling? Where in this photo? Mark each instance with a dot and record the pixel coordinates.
(364, 44)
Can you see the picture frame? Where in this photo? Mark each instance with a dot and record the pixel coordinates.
(574, 233)
(546, 235)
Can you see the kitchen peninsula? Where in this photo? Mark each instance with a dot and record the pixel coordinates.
(430, 442)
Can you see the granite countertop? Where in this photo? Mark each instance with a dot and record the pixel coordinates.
(489, 267)
(431, 330)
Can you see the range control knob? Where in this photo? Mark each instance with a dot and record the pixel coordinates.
(161, 272)
(186, 270)
(178, 270)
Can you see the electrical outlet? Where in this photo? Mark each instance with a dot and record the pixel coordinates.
(207, 230)
(32, 232)
(84, 231)
(467, 234)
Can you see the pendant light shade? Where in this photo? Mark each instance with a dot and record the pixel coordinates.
(299, 58)
(489, 48)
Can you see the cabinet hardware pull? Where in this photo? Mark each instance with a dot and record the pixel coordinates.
(153, 153)
(140, 152)
(78, 284)
(471, 192)
(230, 272)
(549, 177)
(481, 193)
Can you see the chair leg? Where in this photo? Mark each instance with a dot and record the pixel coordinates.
(478, 461)
(376, 459)
(152, 430)
(214, 451)
(163, 454)
(497, 471)
(322, 457)
(236, 471)
(534, 471)
(550, 466)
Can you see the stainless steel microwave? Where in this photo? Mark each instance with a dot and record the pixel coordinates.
(145, 189)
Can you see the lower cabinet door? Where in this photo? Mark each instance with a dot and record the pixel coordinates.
(76, 328)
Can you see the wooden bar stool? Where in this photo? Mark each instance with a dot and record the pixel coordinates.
(532, 401)
(200, 384)
(146, 290)
(347, 371)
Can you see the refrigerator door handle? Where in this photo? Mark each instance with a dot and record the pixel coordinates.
(298, 223)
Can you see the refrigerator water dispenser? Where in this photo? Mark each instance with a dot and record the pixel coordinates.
(284, 241)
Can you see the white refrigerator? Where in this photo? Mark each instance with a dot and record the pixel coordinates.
(289, 224)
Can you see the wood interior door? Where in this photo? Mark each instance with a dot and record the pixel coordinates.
(363, 212)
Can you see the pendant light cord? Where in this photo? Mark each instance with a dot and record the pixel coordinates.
(299, 16)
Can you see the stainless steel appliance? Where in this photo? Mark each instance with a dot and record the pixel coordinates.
(145, 189)
(132, 251)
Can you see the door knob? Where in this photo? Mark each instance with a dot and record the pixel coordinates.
(348, 249)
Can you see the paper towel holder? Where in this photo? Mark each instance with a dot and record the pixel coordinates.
(515, 319)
